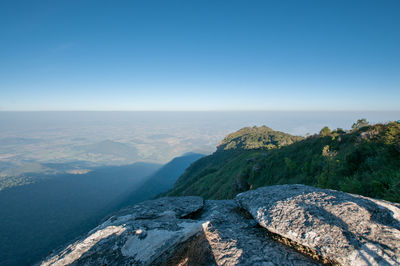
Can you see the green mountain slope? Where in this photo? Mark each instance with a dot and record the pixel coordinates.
(257, 138)
(364, 161)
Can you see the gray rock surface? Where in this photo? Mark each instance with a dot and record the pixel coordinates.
(172, 231)
(176, 207)
(343, 228)
(138, 235)
(236, 239)
(326, 225)
(231, 237)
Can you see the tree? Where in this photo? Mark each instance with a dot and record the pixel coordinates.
(360, 123)
(325, 131)
(340, 131)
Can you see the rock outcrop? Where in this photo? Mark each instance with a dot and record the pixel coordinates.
(236, 239)
(331, 226)
(342, 228)
(138, 235)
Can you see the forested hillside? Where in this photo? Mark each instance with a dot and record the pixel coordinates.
(364, 160)
(256, 138)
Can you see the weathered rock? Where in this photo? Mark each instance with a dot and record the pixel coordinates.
(231, 237)
(329, 225)
(236, 239)
(138, 235)
(343, 228)
(160, 232)
(176, 207)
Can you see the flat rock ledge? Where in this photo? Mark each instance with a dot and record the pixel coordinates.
(324, 226)
(137, 235)
(342, 228)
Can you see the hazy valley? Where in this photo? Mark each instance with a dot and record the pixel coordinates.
(64, 178)
(199, 133)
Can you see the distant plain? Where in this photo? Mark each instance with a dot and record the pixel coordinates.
(62, 172)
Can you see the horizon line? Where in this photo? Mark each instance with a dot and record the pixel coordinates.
(211, 110)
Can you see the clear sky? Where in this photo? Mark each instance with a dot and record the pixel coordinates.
(200, 55)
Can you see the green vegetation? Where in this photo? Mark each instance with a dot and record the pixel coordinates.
(256, 138)
(325, 131)
(364, 161)
(360, 123)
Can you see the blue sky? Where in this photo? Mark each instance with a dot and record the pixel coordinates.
(200, 55)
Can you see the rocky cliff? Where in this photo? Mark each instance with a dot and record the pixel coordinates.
(276, 225)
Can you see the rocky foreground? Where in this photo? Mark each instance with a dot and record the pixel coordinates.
(276, 225)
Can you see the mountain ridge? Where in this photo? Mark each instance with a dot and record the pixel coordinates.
(262, 137)
(363, 161)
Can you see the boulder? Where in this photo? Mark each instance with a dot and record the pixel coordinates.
(138, 235)
(179, 231)
(268, 226)
(174, 207)
(236, 239)
(232, 237)
(341, 228)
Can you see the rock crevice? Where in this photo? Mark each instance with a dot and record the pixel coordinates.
(277, 225)
(342, 228)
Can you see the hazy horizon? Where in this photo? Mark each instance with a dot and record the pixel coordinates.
(30, 140)
(212, 110)
(104, 104)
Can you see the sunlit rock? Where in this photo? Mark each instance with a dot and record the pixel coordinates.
(341, 228)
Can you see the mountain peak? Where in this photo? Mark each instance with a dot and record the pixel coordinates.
(262, 137)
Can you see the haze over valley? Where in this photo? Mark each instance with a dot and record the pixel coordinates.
(75, 142)
(63, 172)
(208, 133)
